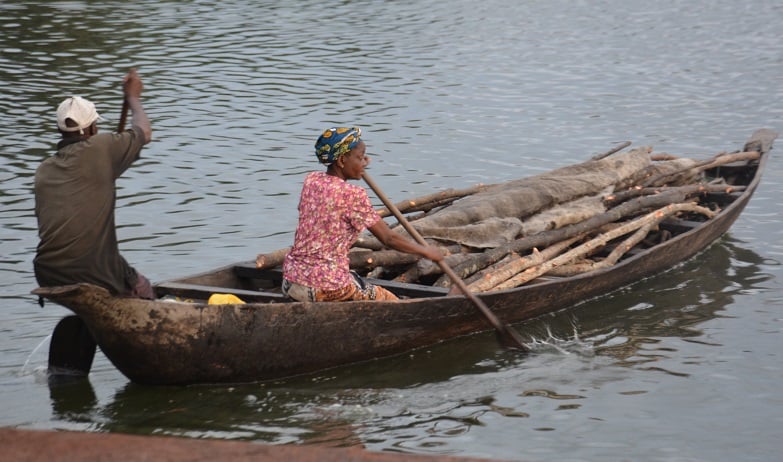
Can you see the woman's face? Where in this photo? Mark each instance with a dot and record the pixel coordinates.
(354, 162)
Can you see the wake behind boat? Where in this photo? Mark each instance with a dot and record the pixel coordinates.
(650, 221)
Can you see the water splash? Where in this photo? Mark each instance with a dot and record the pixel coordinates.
(564, 346)
(45, 341)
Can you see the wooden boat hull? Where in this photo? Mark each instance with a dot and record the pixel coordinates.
(159, 342)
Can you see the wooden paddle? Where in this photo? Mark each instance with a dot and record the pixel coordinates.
(123, 116)
(509, 337)
(71, 349)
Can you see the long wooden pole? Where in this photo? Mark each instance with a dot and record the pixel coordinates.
(508, 336)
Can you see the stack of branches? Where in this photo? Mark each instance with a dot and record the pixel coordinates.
(565, 222)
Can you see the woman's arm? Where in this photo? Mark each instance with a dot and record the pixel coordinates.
(391, 239)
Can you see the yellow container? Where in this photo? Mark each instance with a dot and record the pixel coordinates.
(225, 299)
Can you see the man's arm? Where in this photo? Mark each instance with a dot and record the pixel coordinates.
(132, 87)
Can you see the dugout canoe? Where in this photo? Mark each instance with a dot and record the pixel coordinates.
(162, 342)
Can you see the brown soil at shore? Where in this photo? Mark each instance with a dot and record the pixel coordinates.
(54, 446)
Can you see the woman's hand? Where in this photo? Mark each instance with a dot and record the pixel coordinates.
(432, 253)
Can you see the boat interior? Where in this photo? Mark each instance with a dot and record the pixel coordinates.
(256, 285)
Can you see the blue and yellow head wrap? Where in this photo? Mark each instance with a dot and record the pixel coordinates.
(335, 142)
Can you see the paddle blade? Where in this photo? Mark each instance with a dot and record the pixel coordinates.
(72, 348)
(509, 338)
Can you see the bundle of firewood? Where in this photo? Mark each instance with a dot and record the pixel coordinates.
(565, 222)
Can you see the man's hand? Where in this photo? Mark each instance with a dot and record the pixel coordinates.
(132, 85)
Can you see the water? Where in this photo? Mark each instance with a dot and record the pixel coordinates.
(683, 366)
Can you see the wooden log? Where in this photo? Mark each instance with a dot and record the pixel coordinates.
(612, 200)
(432, 200)
(678, 171)
(428, 206)
(369, 242)
(614, 256)
(272, 259)
(480, 261)
(651, 219)
(564, 214)
(662, 156)
(519, 264)
(526, 196)
(376, 273)
(573, 268)
(615, 149)
(718, 160)
(730, 158)
(427, 267)
(491, 268)
(367, 260)
(409, 276)
(637, 176)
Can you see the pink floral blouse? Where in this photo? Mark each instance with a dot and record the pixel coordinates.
(332, 213)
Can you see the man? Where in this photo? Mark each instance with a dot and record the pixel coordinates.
(74, 204)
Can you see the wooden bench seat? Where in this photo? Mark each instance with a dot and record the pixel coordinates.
(401, 289)
(201, 292)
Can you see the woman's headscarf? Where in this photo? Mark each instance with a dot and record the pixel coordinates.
(335, 142)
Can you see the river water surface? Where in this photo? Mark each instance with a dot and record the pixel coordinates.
(682, 366)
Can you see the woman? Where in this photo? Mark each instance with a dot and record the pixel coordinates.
(332, 213)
